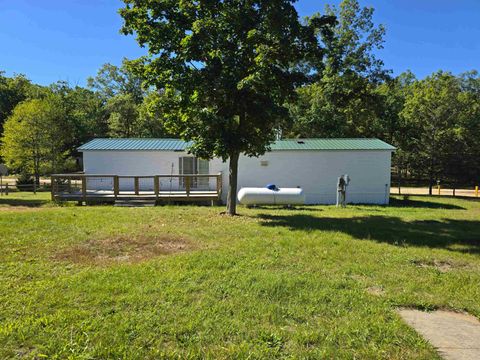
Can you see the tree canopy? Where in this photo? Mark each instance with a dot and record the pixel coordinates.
(435, 108)
(343, 101)
(226, 68)
(112, 80)
(34, 136)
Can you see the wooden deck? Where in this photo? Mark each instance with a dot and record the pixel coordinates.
(162, 188)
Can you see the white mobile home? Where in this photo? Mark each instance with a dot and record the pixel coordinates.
(312, 164)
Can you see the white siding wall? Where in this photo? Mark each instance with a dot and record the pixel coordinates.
(315, 171)
(139, 163)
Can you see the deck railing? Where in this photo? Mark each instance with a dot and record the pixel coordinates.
(181, 187)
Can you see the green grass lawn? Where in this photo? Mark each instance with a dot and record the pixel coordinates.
(186, 282)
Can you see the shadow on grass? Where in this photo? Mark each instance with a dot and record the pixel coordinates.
(395, 202)
(284, 207)
(4, 200)
(455, 235)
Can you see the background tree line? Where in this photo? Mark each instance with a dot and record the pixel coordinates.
(434, 122)
(42, 126)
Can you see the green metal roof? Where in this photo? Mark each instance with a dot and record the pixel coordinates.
(331, 144)
(135, 144)
(286, 144)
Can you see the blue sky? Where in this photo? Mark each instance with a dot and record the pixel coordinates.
(52, 40)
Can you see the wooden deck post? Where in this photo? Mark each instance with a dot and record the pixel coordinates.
(136, 185)
(187, 185)
(65, 187)
(156, 186)
(116, 186)
(84, 188)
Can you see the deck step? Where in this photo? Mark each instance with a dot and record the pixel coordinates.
(135, 202)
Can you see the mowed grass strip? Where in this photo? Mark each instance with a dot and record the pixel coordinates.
(102, 282)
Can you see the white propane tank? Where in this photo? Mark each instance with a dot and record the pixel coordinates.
(264, 196)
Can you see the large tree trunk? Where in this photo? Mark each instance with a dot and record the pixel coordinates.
(232, 186)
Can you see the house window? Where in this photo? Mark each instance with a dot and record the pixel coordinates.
(189, 165)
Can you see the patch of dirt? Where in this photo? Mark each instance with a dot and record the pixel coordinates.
(123, 249)
(441, 265)
(20, 208)
(376, 290)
